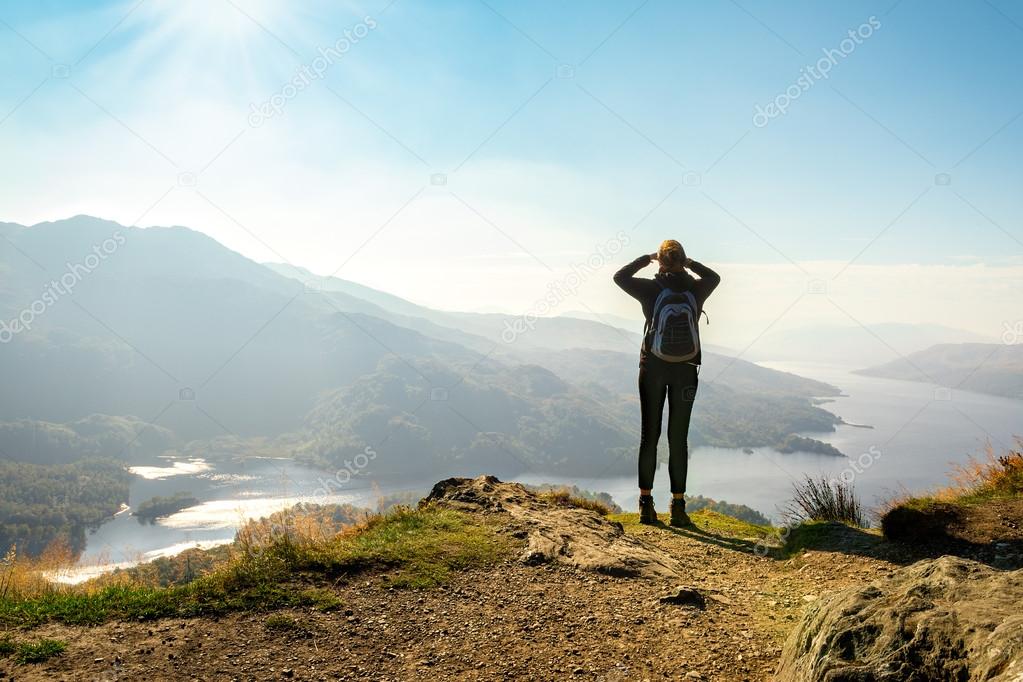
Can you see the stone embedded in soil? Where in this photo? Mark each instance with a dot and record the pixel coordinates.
(685, 596)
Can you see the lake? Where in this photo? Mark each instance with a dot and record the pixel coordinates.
(229, 493)
(919, 432)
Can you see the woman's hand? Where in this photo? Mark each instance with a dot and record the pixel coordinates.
(653, 257)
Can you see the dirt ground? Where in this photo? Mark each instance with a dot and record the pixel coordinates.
(510, 622)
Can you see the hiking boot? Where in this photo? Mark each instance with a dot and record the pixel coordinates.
(679, 518)
(647, 514)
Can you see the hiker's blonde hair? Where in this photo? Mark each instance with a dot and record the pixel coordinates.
(671, 256)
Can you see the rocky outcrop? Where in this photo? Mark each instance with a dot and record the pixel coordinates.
(941, 619)
(564, 535)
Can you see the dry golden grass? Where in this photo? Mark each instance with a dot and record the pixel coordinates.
(299, 528)
(991, 475)
(23, 577)
(564, 498)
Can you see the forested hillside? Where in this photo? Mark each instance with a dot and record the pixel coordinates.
(43, 503)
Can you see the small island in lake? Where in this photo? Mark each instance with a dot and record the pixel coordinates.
(794, 443)
(157, 507)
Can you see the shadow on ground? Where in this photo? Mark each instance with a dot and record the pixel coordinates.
(837, 537)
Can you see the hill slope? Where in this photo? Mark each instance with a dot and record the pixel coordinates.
(856, 346)
(996, 369)
(486, 580)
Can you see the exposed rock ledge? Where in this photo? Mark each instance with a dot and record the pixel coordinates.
(941, 619)
(565, 535)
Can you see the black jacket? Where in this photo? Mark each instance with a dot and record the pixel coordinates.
(646, 290)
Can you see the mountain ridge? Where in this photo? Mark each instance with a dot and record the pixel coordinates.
(994, 369)
(176, 329)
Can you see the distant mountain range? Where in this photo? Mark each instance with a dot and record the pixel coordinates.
(106, 329)
(855, 346)
(996, 369)
(548, 332)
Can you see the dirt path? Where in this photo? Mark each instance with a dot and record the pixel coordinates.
(512, 622)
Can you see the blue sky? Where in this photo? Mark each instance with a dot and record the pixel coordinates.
(556, 128)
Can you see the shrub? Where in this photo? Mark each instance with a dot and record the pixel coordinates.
(821, 499)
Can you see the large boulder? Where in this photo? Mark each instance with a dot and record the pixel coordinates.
(556, 534)
(941, 619)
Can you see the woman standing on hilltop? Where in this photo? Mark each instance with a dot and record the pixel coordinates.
(669, 363)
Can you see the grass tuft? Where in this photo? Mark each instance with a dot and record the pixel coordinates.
(39, 652)
(26, 652)
(564, 498)
(285, 624)
(821, 499)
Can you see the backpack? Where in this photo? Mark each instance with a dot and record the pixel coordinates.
(674, 334)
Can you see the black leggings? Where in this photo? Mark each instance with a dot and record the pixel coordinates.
(679, 382)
